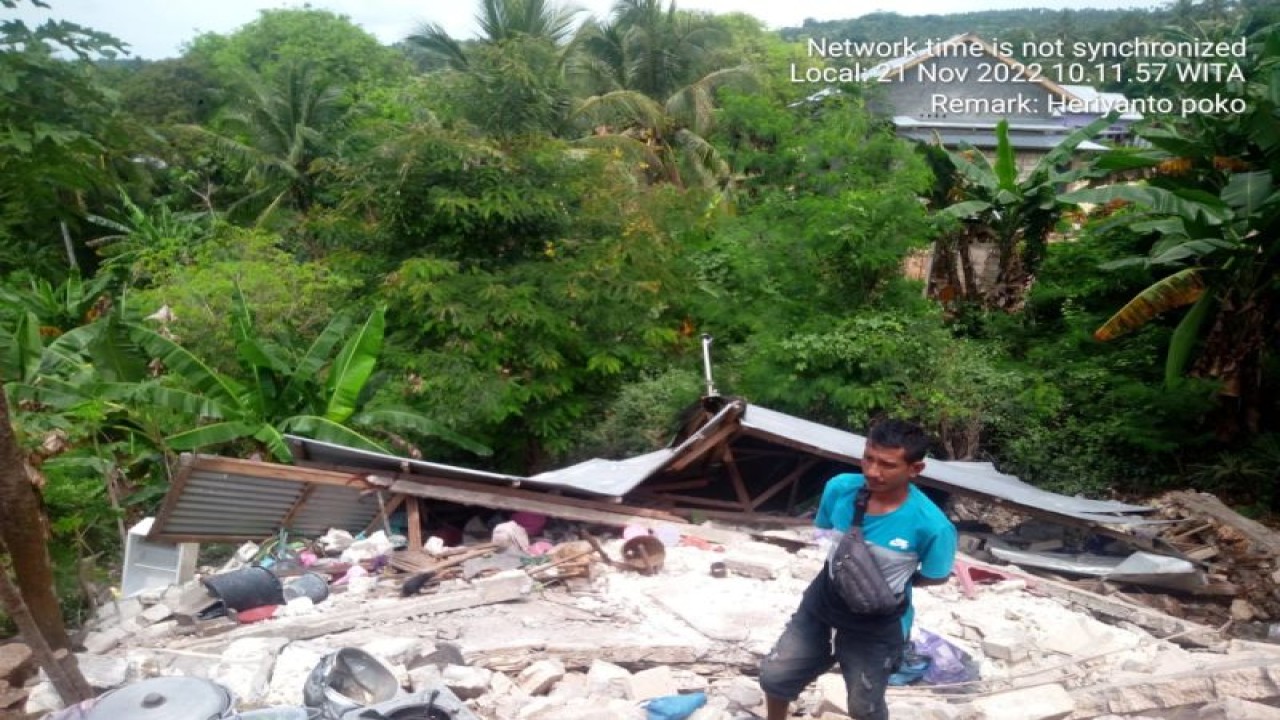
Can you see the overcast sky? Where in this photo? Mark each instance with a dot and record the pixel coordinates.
(159, 28)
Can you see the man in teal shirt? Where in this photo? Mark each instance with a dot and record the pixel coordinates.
(914, 544)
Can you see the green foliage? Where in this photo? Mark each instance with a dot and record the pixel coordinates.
(642, 416)
(288, 296)
(476, 203)
(60, 134)
(343, 54)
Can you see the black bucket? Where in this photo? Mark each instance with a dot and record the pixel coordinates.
(246, 588)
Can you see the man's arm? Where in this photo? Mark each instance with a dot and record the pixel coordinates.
(918, 580)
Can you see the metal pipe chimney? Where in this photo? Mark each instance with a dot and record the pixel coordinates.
(706, 365)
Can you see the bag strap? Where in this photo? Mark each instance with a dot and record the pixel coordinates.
(860, 502)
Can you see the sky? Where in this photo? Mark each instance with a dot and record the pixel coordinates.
(157, 29)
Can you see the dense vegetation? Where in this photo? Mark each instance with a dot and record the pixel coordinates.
(500, 252)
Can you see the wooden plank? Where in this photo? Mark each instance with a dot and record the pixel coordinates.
(739, 486)
(277, 471)
(384, 512)
(185, 468)
(704, 440)
(297, 504)
(606, 504)
(415, 523)
(539, 503)
(695, 500)
(790, 479)
(677, 485)
(1206, 505)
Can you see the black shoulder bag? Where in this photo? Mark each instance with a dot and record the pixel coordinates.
(855, 572)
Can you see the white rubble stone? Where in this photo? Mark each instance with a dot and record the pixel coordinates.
(922, 709)
(743, 693)
(1237, 709)
(1041, 702)
(396, 650)
(425, 678)
(158, 631)
(501, 684)
(42, 699)
(154, 614)
(1242, 610)
(651, 683)
(1013, 648)
(246, 665)
(571, 687)
(102, 672)
(763, 561)
(293, 666)
(465, 681)
(538, 678)
(832, 694)
(608, 680)
(104, 641)
(587, 709)
(503, 585)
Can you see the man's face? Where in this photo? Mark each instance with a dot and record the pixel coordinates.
(887, 468)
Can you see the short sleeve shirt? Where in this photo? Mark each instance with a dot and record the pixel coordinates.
(917, 536)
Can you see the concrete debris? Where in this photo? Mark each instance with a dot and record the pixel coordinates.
(523, 645)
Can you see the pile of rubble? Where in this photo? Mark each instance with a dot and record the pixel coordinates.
(596, 636)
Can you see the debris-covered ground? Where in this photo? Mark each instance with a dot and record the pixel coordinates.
(585, 634)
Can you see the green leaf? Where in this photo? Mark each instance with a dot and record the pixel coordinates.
(1156, 201)
(189, 368)
(1006, 166)
(1178, 290)
(308, 368)
(351, 370)
(214, 434)
(1248, 191)
(965, 209)
(1184, 340)
(24, 349)
(326, 430)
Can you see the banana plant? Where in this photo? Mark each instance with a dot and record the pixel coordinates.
(1210, 202)
(314, 393)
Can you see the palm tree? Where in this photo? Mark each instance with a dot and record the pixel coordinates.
(649, 48)
(277, 132)
(500, 20)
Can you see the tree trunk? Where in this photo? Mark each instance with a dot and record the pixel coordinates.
(23, 530)
(65, 674)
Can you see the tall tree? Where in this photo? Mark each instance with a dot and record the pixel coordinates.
(500, 21)
(25, 531)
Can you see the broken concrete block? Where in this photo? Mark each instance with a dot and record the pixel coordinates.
(743, 693)
(571, 687)
(501, 684)
(42, 699)
(651, 683)
(1237, 709)
(246, 667)
(1041, 702)
(155, 613)
(105, 640)
(425, 677)
(465, 681)
(102, 672)
(160, 630)
(1242, 610)
(608, 680)
(1006, 647)
(763, 561)
(833, 697)
(293, 666)
(503, 586)
(396, 650)
(538, 678)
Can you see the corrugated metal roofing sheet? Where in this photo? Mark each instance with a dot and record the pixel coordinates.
(209, 503)
(981, 478)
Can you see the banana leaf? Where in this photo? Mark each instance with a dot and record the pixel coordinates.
(188, 367)
(351, 370)
(1178, 290)
(1184, 340)
(1155, 200)
(214, 434)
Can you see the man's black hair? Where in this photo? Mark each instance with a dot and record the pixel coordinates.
(900, 434)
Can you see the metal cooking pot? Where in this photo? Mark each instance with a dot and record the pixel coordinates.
(165, 698)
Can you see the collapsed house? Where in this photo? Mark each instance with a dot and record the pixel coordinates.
(484, 627)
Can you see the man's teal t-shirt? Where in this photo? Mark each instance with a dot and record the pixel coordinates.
(917, 535)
